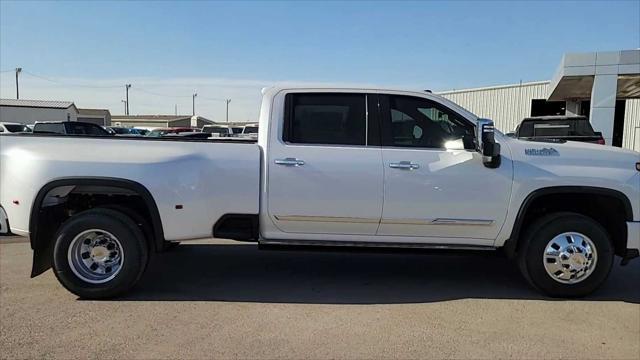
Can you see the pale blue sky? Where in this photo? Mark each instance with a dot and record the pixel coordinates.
(232, 49)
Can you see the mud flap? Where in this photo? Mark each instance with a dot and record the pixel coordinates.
(42, 259)
(42, 238)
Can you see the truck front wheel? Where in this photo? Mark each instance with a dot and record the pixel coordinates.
(99, 253)
(566, 255)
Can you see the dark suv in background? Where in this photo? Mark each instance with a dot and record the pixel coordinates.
(69, 127)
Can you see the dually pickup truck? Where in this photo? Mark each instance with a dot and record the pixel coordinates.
(332, 167)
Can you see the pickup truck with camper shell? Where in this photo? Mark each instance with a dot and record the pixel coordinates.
(334, 167)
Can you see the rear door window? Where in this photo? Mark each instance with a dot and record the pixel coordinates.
(325, 118)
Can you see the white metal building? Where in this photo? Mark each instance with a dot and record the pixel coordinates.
(96, 116)
(29, 111)
(160, 121)
(603, 86)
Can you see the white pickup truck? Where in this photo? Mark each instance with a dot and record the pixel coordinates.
(332, 167)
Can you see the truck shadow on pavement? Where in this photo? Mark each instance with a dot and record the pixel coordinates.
(242, 273)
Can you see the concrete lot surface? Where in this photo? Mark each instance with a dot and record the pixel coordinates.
(221, 299)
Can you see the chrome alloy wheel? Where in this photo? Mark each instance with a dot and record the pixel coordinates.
(570, 257)
(95, 256)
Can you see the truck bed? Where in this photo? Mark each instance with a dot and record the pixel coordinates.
(194, 181)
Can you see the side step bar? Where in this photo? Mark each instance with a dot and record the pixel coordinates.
(361, 245)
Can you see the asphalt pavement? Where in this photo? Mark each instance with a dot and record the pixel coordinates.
(224, 299)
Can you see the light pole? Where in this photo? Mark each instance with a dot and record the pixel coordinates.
(227, 101)
(193, 104)
(18, 71)
(126, 104)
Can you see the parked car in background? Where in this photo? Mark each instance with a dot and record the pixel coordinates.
(250, 129)
(574, 128)
(164, 131)
(124, 131)
(69, 128)
(249, 132)
(217, 130)
(7, 127)
(192, 135)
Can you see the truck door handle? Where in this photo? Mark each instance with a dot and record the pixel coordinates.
(405, 165)
(289, 162)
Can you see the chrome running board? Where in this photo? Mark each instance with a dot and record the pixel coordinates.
(370, 244)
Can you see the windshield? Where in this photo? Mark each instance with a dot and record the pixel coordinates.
(250, 130)
(215, 130)
(17, 128)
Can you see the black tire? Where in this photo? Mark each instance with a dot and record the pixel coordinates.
(128, 234)
(543, 230)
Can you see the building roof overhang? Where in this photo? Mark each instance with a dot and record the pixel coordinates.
(575, 75)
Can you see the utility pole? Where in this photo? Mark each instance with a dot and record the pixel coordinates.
(125, 106)
(227, 101)
(193, 104)
(127, 87)
(175, 108)
(18, 70)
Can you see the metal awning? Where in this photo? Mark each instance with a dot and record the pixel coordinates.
(575, 75)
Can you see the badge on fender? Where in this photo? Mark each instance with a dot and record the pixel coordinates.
(542, 152)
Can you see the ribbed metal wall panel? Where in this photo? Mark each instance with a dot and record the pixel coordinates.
(505, 105)
(508, 105)
(631, 136)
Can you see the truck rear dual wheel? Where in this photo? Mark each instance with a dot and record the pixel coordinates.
(99, 253)
(566, 255)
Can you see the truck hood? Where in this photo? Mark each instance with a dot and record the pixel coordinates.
(572, 153)
(539, 164)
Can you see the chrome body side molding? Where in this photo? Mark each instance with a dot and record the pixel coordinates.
(333, 219)
(439, 221)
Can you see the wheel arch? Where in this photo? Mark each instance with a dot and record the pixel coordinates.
(512, 244)
(42, 245)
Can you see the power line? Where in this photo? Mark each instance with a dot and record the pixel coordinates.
(70, 84)
(212, 99)
(176, 96)
(143, 90)
(158, 94)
